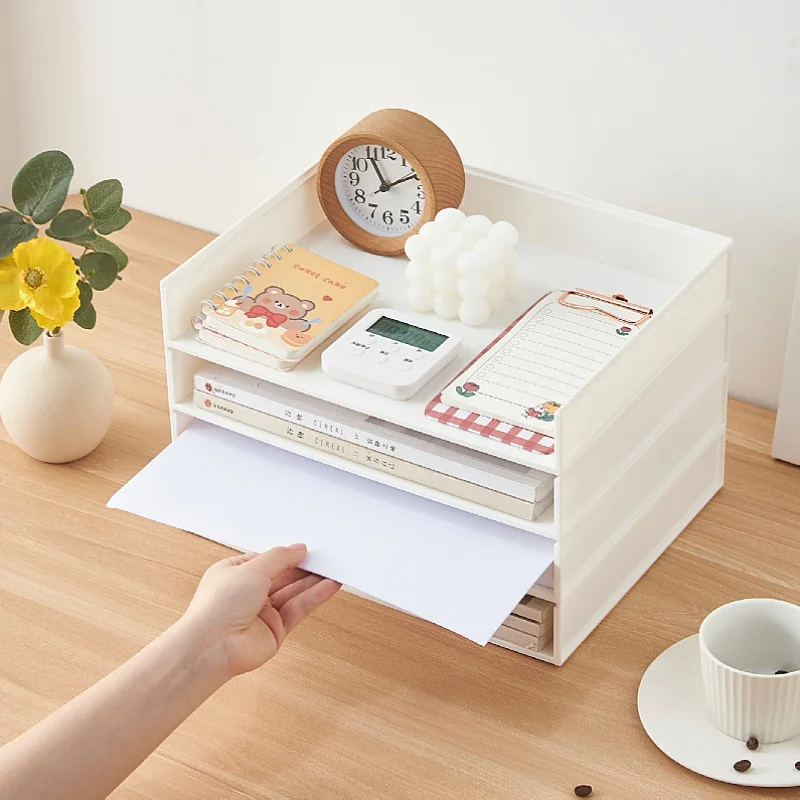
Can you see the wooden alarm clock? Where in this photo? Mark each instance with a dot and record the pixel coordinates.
(387, 176)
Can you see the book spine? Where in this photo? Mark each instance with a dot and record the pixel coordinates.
(524, 640)
(228, 345)
(369, 438)
(380, 462)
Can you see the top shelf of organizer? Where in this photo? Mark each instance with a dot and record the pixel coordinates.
(566, 243)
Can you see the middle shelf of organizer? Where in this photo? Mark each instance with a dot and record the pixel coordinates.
(544, 525)
(309, 379)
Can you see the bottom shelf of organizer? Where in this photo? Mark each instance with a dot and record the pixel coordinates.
(543, 591)
(547, 653)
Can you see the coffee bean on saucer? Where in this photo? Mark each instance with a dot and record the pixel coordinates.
(742, 766)
(583, 790)
(752, 743)
(781, 672)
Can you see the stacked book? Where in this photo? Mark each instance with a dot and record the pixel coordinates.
(493, 482)
(530, 625)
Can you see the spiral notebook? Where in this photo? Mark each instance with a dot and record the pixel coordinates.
(544, 358)
(282, 306)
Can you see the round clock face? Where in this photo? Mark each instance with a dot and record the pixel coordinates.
(380, 190)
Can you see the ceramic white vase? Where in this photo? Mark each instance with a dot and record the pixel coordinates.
(56, 401)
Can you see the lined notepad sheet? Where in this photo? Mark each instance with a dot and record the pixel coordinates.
(541, 362)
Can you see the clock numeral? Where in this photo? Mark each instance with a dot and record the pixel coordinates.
(355, 178)
(420, 192)
(360, 198)
(360, 164)
(417, 207)
(374, 207)
(403, 162)
(388, 219)
(384, 153)
(404, 218)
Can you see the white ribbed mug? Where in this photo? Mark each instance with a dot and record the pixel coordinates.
(742, 645)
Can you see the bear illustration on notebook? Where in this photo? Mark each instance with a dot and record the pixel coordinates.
(282, 306)
(274, 308)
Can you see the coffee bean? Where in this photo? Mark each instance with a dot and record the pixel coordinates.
(583, 790)
(781, 672)
(752, 743)
(742, 766)
(797, 765)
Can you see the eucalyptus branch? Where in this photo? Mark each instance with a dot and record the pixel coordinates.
(39, 192)
(18, 213)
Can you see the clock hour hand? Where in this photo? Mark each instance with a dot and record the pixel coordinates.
(404, 178)
(384, 185)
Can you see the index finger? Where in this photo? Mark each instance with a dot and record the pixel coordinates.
(274, 561)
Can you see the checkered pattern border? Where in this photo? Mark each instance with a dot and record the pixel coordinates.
(486, 426)
(491, 428)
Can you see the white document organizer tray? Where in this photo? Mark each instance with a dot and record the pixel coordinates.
(639, 450)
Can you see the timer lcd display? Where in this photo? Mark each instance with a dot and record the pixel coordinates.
(407, 334)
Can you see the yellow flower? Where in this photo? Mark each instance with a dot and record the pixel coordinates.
(40, 275)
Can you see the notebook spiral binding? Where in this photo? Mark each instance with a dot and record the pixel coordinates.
(253, 270)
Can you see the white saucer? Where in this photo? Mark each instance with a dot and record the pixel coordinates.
(672, 711)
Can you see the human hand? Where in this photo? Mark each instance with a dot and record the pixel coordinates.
(245, 606)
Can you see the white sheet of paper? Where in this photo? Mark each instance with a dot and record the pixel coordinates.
(455, 569)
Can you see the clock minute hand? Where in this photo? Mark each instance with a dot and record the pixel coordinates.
(384, 185)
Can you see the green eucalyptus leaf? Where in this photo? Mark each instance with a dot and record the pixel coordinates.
(41, 186)
(68, 224)
(85, 293)
(114, 223)
(103, 245)
(85, 316)
(100, 269)
(24, 327)
(104, 199)
(86, 239)
(13, 230)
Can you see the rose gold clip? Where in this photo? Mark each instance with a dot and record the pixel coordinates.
(616, 300)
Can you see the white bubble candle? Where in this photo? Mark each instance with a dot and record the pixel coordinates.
(461, 266)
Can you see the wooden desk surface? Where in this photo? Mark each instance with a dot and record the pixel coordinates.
(362, 702)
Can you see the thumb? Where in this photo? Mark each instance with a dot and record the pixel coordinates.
(276, 560)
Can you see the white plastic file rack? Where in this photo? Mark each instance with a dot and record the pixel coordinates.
(639, 451)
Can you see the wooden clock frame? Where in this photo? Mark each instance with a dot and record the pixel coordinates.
(419, 141)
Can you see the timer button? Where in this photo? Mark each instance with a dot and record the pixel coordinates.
(356, 349)
(415, 355)
(391, 347)
(380, 356)
(402, 364)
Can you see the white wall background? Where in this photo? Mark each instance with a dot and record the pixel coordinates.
(688, 109)
(8, 140)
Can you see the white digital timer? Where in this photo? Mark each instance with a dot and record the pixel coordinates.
(389, 352)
